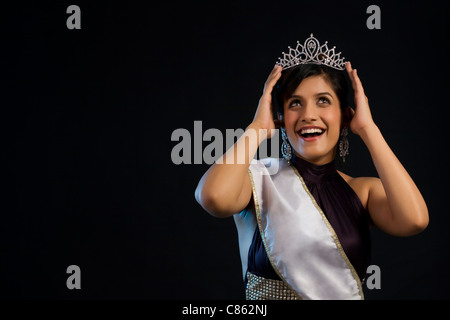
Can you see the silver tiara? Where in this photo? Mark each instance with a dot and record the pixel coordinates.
(312, 52)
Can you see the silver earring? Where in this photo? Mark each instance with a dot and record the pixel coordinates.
(286, 149)
(343, 144)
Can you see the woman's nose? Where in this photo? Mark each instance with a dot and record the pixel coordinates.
(309, 114)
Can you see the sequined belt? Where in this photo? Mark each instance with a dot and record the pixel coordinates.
(260, 288)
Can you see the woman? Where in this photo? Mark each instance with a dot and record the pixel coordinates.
(304, 230)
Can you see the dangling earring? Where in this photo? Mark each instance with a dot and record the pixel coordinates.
(286, 149)
(343, 144)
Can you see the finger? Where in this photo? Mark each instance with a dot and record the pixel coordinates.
(348, 67)
(276, 68)
(274, 71)
(355, 80)
(351, 74)
(358, 84)
(273, 78)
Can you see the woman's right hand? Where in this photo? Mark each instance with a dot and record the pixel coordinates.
(264, 114)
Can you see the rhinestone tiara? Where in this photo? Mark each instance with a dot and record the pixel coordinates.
(312, 52)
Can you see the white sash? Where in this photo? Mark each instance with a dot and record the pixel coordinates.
(300, 242)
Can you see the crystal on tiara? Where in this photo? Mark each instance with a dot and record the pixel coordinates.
(312, 52)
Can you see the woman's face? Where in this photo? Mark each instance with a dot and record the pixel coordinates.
(312, 118)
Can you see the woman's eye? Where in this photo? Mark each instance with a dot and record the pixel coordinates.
(295, 103)
(324, 100)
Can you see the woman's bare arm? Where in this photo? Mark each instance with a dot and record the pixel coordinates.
(225, 188)
(394, 202)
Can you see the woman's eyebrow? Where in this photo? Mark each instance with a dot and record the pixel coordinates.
(324, 93)
(317, 94)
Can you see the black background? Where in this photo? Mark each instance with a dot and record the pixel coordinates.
(88, 117)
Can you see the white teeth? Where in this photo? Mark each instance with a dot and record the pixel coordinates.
(311, 130)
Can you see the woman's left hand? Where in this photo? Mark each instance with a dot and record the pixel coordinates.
(362, 118)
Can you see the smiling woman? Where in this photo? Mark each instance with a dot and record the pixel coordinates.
(304, 230)
(319, 94)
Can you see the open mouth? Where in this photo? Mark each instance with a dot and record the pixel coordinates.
(311, 132)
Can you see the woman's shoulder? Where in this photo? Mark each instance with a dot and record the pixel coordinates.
(357, 180)
(361, 185)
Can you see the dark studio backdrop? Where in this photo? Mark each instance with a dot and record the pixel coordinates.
(88, 117)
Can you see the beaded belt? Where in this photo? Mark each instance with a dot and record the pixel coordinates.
(260, 288)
